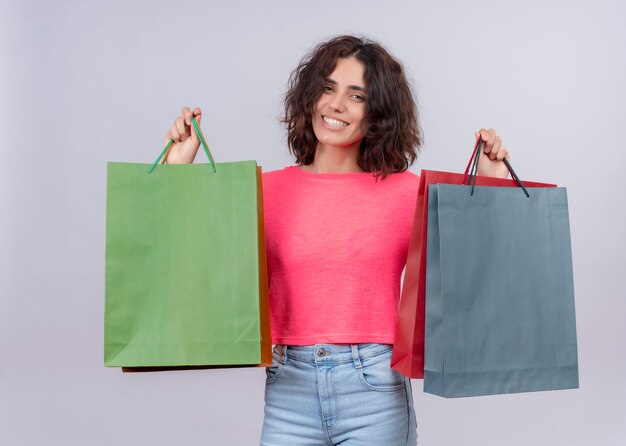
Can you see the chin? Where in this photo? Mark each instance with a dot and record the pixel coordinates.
(337, 142)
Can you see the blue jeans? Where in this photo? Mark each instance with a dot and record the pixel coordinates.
(330, 394)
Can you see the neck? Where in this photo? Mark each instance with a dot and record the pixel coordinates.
(333, 159)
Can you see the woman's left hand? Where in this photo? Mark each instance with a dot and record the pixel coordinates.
(490, 163)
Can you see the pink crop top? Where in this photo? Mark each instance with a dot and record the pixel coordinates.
(336, 247)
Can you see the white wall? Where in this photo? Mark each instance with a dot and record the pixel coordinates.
(83, 83)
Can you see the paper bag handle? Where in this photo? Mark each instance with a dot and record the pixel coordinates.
(479, 142)
(474, 171)
(202, 142)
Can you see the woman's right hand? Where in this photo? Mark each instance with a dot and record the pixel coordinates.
(186, 142)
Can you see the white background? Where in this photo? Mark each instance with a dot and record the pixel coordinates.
(86, 82)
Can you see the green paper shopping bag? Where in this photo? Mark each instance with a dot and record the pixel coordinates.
(185, 267)
(499, 291)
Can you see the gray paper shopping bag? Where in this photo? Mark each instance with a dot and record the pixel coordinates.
(499, 291)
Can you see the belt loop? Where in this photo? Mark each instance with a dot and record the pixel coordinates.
(282, 348)
(355, 355)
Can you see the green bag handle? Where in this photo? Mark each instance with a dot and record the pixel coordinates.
(202, 142)
(474, 171)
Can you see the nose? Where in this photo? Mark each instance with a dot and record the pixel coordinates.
(337, 104)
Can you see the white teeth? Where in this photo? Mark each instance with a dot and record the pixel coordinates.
(334, 122)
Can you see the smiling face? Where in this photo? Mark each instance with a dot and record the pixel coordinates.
(339, 113)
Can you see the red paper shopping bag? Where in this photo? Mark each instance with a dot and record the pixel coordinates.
(408, 350)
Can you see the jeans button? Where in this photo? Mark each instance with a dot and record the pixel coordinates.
(321, 353)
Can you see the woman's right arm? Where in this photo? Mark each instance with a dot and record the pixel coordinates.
(186, 141)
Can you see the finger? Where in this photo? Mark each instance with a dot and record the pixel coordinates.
(496, 148)
(484, 134)
(174, 132)
(490, 140)
(186, 114)
(502, 153)
(182, 128)
(197, 113)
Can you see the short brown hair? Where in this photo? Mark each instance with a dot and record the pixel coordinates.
(392, 131)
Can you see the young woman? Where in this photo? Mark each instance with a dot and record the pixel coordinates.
(337, 231)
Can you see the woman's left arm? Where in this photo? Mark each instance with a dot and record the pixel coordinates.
(492, 165)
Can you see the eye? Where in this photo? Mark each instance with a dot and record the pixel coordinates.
(358, 97)
(328, 88)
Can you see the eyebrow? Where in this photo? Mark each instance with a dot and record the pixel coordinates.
(351, 87)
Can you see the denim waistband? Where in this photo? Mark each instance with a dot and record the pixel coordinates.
(331, 353)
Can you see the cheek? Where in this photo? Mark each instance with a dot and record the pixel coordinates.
(359, 114)
(319, 105)
(320, 132)
(361, 124)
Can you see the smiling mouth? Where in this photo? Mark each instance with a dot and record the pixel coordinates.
(334, 122)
